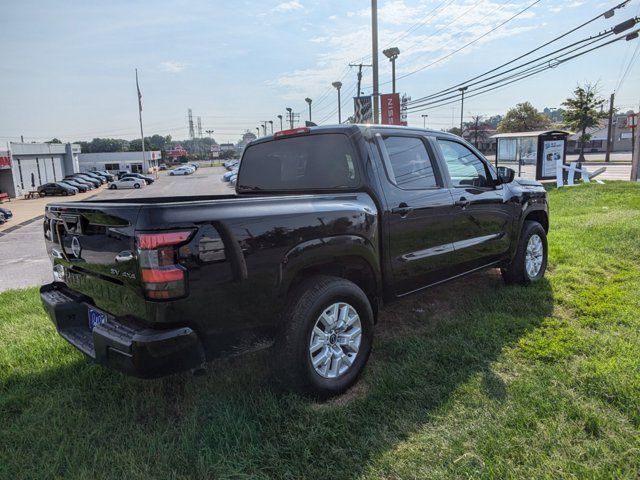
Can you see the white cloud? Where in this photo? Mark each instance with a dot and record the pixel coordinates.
(443, 32)
(288, 6)
(333, 17)
(172, 66)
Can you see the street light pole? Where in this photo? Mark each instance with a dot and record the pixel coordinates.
(271, 123)
(392, 53)
(462, 90)
(290, 113)
(258, 129)
(424, 121)
(338, 86)
(308, 100)
(374, 54)
(280, 117)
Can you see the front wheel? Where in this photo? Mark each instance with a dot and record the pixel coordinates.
(136, 185)
(113, 187)
(530, 261)
(326, 337)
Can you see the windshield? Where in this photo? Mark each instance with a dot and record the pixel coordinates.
(310, 162)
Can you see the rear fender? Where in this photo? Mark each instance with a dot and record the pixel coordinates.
(332, 255)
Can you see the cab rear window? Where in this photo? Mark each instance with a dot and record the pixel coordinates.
(310, 162)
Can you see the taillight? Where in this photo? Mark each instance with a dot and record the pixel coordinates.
(162, 277)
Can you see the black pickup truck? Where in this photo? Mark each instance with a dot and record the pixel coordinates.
(327, 224)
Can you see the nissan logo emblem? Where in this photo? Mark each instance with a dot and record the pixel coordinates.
(76, 249)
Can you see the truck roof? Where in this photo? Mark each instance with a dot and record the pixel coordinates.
(353, 127)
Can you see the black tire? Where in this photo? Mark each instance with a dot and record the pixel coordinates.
(65, 193)
(292, 360)
(113, 186)
(516, 272)
(136, 185)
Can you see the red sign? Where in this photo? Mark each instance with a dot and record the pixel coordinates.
(176, 152)
(390, 107)
(632, 120)
(5, 162)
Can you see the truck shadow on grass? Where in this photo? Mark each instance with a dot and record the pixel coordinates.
(232, 423)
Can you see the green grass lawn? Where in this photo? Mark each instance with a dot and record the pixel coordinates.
(470, 380)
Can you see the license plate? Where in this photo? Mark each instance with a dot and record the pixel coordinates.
(96, 317)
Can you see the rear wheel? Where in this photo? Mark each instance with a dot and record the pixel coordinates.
(65, 193)
(530, 261)
(326, 337)
(113, 186)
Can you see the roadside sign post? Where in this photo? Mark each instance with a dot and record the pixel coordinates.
(636, 155)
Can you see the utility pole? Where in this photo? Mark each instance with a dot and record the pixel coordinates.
(610, 129)
(280, 117)
(374, 52)
(140, 116)
(424, 120)
(462, 90)
(635, 159)
(359, 65)
(308, 100)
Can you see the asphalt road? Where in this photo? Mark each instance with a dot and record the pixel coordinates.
(23, 257)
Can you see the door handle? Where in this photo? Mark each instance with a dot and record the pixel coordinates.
(463, 203)
(403, 209)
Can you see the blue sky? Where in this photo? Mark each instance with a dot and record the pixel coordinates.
(68, 67)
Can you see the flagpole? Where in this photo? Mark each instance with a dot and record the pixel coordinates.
(140, 117)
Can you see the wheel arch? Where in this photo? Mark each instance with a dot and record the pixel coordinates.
(347, 256)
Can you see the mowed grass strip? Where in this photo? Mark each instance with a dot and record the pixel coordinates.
(470, 380)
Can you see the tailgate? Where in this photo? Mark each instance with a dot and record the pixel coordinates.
(92, 249)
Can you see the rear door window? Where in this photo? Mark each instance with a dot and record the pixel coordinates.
(410, 162)
(309, 162)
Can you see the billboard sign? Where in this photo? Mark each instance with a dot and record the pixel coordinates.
(390, 103)
(362, 109)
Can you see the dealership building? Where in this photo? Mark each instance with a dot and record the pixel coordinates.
(120, 161)
(26, 166)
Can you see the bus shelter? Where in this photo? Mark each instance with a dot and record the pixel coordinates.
(542, 149)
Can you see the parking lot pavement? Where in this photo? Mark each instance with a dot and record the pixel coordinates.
(23, 257)
(205, 181)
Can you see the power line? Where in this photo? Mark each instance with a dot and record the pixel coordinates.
(477, 39)
(485, 89)
(454, 93)
(573, 30)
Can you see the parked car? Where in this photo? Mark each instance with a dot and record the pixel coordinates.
(96, 176)
(194, 165)
(147, 179)
(162, 167)
(227, 176)
(182, 170)
(6, 213)
(3, 219)
(86, 178)
(80, 186)
(231, 164)
(57, 188)
(328, 225)
(106, 175)
(127, 182)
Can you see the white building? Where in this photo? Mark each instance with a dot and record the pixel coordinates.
(26, 166)
(120, 161)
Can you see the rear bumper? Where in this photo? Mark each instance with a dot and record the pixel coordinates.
(121, 343)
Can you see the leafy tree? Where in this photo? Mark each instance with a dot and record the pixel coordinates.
(583, 112)
(523, 118)
(477, 130)
(53, 140)
(455, 131)
(227, 154)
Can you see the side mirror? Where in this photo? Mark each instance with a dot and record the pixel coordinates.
(506, 175)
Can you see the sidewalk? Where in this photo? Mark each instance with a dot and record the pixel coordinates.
(26, 210)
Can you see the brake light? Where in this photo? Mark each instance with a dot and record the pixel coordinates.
(162, 277)
(292, 132)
